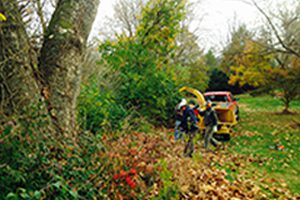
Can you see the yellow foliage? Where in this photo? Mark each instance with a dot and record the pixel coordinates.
(250, 66)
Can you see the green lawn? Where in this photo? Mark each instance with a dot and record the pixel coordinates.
(259, 134)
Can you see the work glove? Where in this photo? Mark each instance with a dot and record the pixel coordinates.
(215, 128)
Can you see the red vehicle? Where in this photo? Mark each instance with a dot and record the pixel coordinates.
(223, 99)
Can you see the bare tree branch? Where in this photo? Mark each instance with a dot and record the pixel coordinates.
(41, 15)
(276, 32)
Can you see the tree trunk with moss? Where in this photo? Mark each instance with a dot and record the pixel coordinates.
(18, 88)
(59, 63)
(61, 57)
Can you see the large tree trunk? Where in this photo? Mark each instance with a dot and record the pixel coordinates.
(18, 88)
(61, 57)
(59, 62)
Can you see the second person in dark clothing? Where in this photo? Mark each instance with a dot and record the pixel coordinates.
(211, 123)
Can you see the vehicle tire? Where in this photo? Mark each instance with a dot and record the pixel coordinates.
(222, 137)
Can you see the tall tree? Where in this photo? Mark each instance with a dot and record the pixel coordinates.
(280, 37)
(189, 56)
(218, 80)
(210, 60)
(145, 61)
(251, 66)
(127, 14)
(285, 78)
(125, 20)
(282, 26)
(17, 84)
(239, 36)
(58, 70)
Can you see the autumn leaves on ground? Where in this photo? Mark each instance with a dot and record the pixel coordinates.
(260, 162)
(157, 163)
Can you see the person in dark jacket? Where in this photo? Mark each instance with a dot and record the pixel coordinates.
(189, 124)
(188, 119)
(211, 122)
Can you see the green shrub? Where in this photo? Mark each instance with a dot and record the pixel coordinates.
(21, 161)
(145, 62)
(98, 109)
(35, 164)
(143, 86)
(151, 93)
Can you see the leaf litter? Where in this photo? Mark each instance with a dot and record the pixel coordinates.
(208, 175)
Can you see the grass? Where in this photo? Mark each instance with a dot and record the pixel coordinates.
(259, 135)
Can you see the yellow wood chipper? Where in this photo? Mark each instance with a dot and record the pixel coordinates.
(227, 115)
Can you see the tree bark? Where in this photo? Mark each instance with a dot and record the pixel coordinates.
(286, 107)
(286, 100)
(58, 64)
(61, 57)
(18, 88)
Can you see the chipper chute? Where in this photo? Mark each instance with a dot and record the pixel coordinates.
(199, 95)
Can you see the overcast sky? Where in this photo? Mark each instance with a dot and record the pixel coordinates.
(217, 18)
